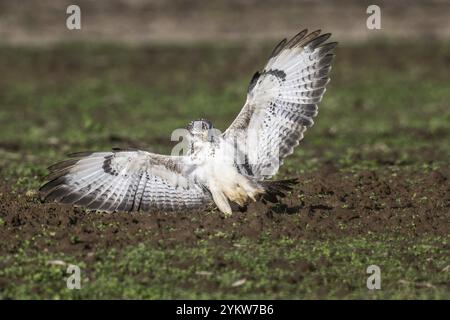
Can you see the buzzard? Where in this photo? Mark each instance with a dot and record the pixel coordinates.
(227, 169)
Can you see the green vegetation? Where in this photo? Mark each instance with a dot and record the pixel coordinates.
(386, 109)
(285, 269)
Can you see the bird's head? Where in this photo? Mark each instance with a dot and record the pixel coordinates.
(201, 129)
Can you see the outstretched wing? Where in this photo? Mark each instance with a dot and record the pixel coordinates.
(125, 181)
(281, 102)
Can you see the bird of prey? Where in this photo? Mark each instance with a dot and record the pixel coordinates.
(229, 169)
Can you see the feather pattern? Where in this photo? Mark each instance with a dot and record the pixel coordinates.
(282, 102)
(125, 181)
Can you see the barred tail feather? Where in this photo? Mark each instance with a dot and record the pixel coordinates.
(275, 189)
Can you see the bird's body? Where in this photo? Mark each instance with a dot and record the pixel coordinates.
(227, 168)
(216, 169)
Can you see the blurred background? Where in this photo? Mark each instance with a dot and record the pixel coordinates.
(139, 21)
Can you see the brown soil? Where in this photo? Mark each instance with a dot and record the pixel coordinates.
(327, 204)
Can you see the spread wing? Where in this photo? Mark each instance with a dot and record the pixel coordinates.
(281, 103)
(125, 181)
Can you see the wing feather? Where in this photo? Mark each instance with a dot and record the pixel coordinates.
(125, 181)
(282, 102)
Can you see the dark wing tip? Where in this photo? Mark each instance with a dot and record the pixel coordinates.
(61, 165)
(302, 39)
(52, 184)
(80, 154)
(330, 45)
(316, 41)
(278, 48)
(118, 149)
(253, 81)
(298, 37)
